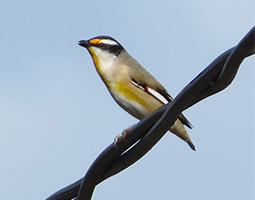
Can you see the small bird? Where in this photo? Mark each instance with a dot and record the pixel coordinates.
(131, 86)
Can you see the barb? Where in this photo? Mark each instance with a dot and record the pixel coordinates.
(216, 77)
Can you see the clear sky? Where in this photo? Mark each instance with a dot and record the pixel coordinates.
(57, 116)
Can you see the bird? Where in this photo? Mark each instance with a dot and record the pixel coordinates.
(131, 86)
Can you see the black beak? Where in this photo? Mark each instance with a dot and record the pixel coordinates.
(84, 43)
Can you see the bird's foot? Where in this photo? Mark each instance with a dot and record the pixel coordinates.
(122, 135)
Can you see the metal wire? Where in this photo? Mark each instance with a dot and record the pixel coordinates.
(144, 135)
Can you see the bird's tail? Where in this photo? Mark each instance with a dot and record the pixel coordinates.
(179, 130)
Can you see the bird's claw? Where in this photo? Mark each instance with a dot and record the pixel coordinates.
(122, 135)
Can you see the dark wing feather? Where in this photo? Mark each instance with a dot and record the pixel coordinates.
(167, 96)
(143, 79)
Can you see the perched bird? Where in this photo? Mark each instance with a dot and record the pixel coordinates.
(131, 86)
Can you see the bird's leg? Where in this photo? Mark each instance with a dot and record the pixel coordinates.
(122, 135)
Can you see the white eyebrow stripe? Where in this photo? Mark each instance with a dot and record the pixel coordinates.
(157, 95)
(107, 41)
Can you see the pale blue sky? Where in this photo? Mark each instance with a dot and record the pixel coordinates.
(57, 116)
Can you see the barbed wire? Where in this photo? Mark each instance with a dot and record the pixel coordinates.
(146, 133)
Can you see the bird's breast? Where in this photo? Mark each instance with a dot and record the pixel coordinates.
(132, 99)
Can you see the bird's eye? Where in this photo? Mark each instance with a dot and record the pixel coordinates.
(101, 44)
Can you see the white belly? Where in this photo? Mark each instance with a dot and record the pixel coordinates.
(132, 107)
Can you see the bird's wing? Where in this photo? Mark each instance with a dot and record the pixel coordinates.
(145, 81)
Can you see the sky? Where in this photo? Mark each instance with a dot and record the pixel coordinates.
(56, 115)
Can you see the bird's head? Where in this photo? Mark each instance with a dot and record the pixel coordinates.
(101, 46)
(104, 51)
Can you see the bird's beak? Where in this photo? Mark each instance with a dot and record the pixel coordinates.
(84, 43)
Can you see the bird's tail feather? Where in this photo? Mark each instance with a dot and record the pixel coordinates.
(179, 130)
